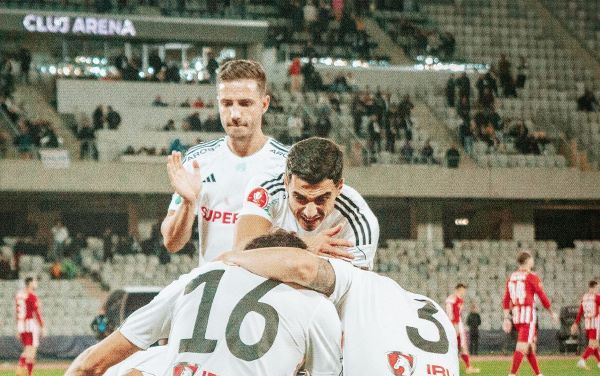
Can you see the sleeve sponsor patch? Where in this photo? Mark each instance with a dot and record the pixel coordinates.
(259, 196)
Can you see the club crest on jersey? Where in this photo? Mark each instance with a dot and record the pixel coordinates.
(259, 196)
(185, 369)
(401, 364)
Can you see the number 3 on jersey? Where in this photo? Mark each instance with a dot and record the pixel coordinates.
(249, 303)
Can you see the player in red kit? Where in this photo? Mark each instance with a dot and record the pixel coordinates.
(590, 310)
(30, 325)
(454, 305)
(519, 299)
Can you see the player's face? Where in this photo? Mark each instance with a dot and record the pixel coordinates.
(241, 107)
(530, 263)
(311, 203)
(461, 292)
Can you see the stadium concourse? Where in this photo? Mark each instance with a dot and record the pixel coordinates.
(471, 128)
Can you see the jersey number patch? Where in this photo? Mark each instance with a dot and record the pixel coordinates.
(440, 346)
(249, 303)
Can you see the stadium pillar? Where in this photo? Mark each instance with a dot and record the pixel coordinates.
(523, 224)
(429, 222)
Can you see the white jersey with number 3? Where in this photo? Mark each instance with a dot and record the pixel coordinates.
(225, 321)
(224, 177)
(388, 330)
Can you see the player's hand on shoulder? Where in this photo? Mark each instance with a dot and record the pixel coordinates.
(327, 244)
(188, 184)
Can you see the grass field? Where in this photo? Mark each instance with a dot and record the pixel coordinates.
(550, 367)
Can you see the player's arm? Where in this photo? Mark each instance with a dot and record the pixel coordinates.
(100, 357)
(539, 290)
(288, 265)
(248, 227)
(176, 228)
(449, 310)
(506, 305)
(324, 350)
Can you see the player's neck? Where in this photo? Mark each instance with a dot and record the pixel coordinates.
(524, 270)
(247, 146)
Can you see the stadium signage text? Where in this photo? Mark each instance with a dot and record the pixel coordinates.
(78, 25)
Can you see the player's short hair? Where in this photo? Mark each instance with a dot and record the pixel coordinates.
(523, 257)
(28, 280)
(277, 238)
(593, 284)
(314, 160)
(243, 70)
(461, 286)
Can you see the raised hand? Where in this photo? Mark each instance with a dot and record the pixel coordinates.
(185, 183)
(326, 243)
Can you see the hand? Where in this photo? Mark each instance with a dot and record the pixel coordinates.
(44, 332)
(18, 336)
(325, 243)
(507, 326)
(186, 184)
(554, 316)
(574, 329)
(227, 258)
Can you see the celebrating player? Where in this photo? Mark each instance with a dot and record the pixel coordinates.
(224, 320)
(454, 304)
(210, 179)
(311, 199)
(519, 297)
(590, 310)
(30, 325)
(386, 328)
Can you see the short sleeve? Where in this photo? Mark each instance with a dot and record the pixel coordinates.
(153, 321)
(258, 201)
(344, 273)
(324, 353)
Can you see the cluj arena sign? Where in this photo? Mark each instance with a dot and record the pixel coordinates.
(78, 25)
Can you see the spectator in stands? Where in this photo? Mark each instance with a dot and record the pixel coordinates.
(323, 21)
(158, 102)
(177, 145)
(198, 103)
(311, 17)
(212, 123)
(113, 118)
(99, 117)
(522, 71)
(73, 251)
(463, 110)
(7, 83)
(295, 73)
(107, 244)
(448, 45)
(312, 78)
(588, 102)
(361, 38)
(24, 57)
(23, 141)
(487, 100)
(48, 136)
(155, 62)
(506, 78)
(4, 141)
(195, 124)
(452, 156)
(172, 73)
(131, 71)
(323, 126)
(451, 91)
(87, 138)
(211, 67)
(357, 111)
(464, 86)
(406, 152)
(427, 153)
(473, 322)
(186, 103)
(60, 235)
(170, 126)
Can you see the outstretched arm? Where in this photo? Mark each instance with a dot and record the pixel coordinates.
(100, 357)
(289, 265)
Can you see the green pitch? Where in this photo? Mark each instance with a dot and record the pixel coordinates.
(550, 367)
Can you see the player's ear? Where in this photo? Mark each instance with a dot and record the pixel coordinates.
(265, 102)
(340, 185)
(285, 180)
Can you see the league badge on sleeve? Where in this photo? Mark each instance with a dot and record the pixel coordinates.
(401, 364)
(185, 369)
(259, 196)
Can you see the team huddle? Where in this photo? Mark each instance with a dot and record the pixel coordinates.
(284, 284)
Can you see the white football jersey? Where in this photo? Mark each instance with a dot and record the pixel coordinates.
(268, 198)
(388, 330)
(224, 177)
(149, 363)
(223, 320)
